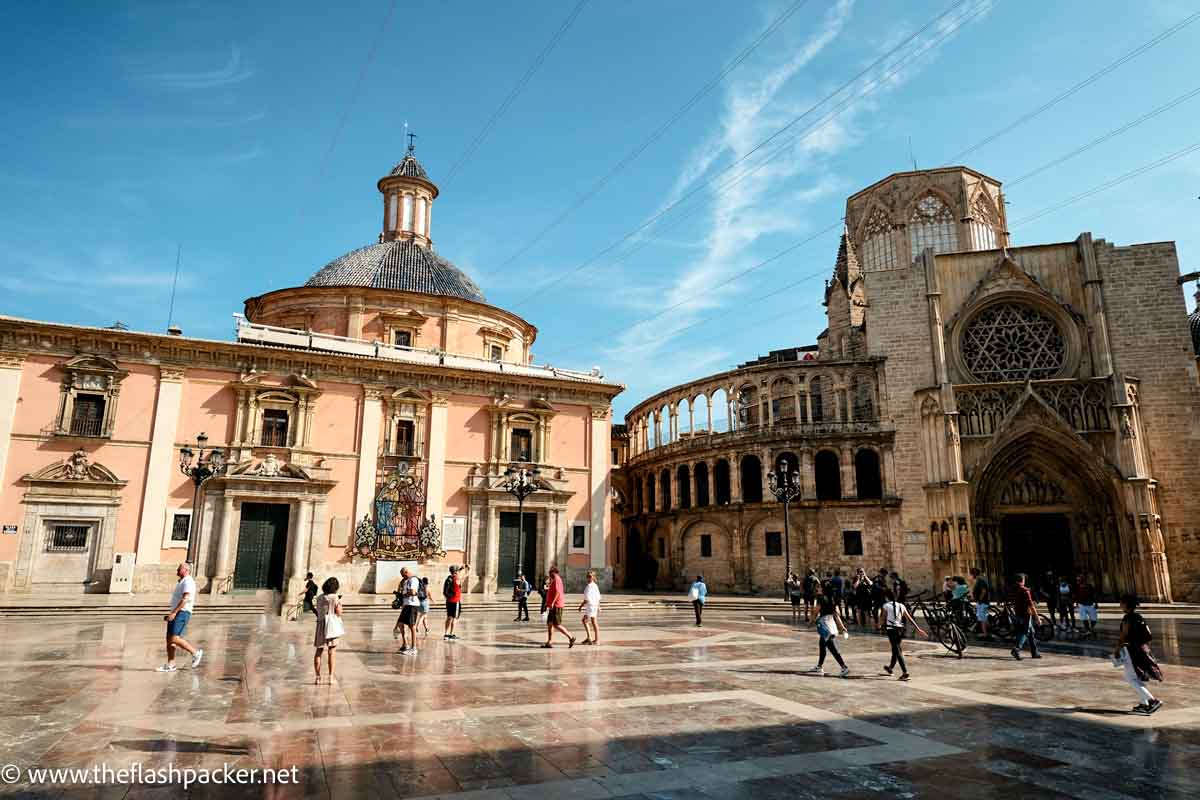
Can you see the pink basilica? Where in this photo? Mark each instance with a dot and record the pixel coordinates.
(381, 414)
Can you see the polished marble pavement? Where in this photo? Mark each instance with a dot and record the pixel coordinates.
(660, 709)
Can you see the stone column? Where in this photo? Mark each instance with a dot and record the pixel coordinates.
(808, 406)
(492, 567)
(368, 454)
(673, 480)
(890, 488)
(849, 490)
(223, 568)
(435, 472)
(10, 390)
(299, 549)
(808, 486)
(598, 484)
(691, 416)
(735, 479)
(692, 496)
(708, 403)
(160, 469)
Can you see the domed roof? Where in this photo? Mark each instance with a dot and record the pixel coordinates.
(1194, 324)
(409, 167)
(401, 265)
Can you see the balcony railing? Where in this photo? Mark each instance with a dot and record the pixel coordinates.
(703, 439)
(255, 333)
(85, 426)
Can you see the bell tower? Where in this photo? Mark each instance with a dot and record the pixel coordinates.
(408, 197)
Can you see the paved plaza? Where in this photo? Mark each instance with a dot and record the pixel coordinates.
(660, 709)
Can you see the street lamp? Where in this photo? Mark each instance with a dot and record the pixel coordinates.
(786, 488)
(520, 483)
(199, 465)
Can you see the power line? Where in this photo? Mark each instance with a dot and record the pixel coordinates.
(1110, 184)
(514, 93)
(657, 134)
(983, 6)
(1095, 76)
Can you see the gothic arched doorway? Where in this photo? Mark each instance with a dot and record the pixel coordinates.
(1043, 505)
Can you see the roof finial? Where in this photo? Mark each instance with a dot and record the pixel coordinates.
(411, 147)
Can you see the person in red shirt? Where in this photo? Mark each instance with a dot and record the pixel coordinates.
(1027, 617)
(452, 591)
(555, 601)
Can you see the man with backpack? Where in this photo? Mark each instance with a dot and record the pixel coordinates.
(452, 592)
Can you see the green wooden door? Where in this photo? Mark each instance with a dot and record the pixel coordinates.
(262, 546)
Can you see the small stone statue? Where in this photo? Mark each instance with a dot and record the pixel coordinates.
(77, 466)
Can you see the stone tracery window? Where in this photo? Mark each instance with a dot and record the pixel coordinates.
(985, 223)
(878, 249)
(932, 224)
(1013, 342)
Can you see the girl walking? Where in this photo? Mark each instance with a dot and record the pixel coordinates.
(591, 608)
(329, 625)
(892, 618)
(1133, 653)
(829, 624)
(423, 614)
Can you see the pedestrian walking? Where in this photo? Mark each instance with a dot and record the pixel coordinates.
(795, 590)
(423, 614)
(555, 601)
(410, 609)
(1027, 618)
(839, 591)
(981, 594)
(183, 600)
(698, 594)
(452, 592)
(590, 607)
(1085, 596)
(829, 626)
(310, 594)
(1066, 604)
(894, 618)
(521, 590)
(1132, 652)
(328, 610)
(1048, 591)
(809, 590)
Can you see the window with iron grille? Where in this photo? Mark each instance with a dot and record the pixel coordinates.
(181, 525)
(274, 427)
(402, 338)
(774, 543)
(705, 546)
(87, 416)
(852, 544)
(521, 445)
(67, 538)
(405, 436)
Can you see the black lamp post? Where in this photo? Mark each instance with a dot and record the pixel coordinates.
(520, 483)
(199, 465)
(786, 488)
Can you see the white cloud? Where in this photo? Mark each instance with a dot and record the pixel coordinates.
(232, 73)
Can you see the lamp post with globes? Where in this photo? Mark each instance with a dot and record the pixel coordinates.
(199, 465)
(520, 483)
(785, 486)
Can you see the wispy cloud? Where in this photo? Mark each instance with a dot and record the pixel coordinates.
(233, 72)
(158, 122)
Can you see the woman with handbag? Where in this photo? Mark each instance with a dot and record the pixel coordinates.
(329, 625)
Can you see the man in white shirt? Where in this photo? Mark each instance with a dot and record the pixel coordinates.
(591, 608)
(183, 599)
(410, 609)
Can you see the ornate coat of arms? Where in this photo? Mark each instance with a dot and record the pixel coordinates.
(400, 531)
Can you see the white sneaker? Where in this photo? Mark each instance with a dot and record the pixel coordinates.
(814, 671)
(166, 668)
(845, 672)
(196, 658)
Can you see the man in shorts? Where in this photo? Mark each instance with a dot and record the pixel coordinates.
(1085, 596)
(410, 609)
(452, 591)
(183, 599)
(555, 601)
(981, 594)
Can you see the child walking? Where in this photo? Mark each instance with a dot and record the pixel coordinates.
(590, 607)
(329, 625)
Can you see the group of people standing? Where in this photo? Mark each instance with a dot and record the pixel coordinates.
(858, 597)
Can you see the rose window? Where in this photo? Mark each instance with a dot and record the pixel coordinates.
(1013, 342)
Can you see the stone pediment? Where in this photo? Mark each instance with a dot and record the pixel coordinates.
(93, 363)
(77, 468)
(1006, 277)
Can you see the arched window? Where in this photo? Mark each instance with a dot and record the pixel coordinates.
(985, 223)
(878, 249)
(866, 474)
(818, 388)
(702, 495)
(721, 482)
(720, 412)
(685, 486)
(640, 497)
(862, 390)
(1013, 342)
(752, 482)
(747, 407)
(827, 475)
(664, 482)
(783, 400)
(793, 463)
(932, 224)
(650, 505)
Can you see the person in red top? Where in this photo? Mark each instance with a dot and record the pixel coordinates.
(452, 591)
(555, 601)
(1027, 617)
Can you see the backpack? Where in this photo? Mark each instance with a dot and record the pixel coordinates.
(422, 592)
(810, 584)
(448, 587)
(1139, 631)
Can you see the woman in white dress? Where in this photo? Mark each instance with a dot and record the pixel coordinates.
(591, 608)
(328, 603)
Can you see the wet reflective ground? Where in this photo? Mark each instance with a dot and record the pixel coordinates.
(660, 709)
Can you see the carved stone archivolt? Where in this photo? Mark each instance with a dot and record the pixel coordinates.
(1032, 487)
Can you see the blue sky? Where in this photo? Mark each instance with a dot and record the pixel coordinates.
(253, 134)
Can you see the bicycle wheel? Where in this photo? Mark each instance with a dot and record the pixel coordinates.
(1044, 631)
(960, 642)
(999, 623)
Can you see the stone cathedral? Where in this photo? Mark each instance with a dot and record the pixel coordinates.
(1023, 408)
